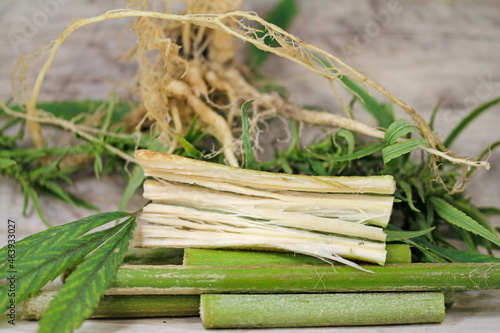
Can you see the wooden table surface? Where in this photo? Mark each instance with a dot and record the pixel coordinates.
(423, 52)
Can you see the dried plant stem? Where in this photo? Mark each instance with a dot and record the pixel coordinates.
(396, 254)
(361, 208)
(244, 181)
(309, 310)
(133, 306)
(268, 218)
(137, 280)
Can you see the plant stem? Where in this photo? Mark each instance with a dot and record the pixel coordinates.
(309, 310)
(135, 306)
(132, 280)
(162, 256)
(366, 208)
(244, 181)
(396, 253)
(449, 297)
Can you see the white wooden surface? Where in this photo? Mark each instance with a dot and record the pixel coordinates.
(424, 51)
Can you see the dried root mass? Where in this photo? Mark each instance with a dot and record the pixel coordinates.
(187, 69)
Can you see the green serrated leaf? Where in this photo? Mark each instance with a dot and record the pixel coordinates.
(82, 203)
(6, 162)
(285, 165)
(394, 151)
(109, 116)
(475, 214)
(399, 235)
(460, 256)
(383, 114)
(318, 167)
(282, 15)
(33, 272)
(136, 179)
(368, 150)
(467, 120)
(349, 137)
(433, 116)
(33, 243)
(430, 256)
(417, 184)
(399, 129)
(456, 217)
(407, 189)
(192, 128)
(84, 287)
(31, 193)
(489, 210)
(98, 165)
(67, 197)
(189, 148)
(295, 139)
(466, 238)
(245, 135)
(58, 191)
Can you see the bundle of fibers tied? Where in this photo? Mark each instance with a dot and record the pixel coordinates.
(208, 205)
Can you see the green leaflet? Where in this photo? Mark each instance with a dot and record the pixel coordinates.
(349, 137)
(467, 238)
(282, 15)
(6, 162)
(459, 256)
(456, 217)
(58, 191)
(477, 216)
(398, 129)
(467, 120)
(108, 117)
(433, 116)
(189, 148)
(245, 136)
(383, 113)
(407, 189)
(394, 151)
(33, 272)
(54, 189)
(136, 179)
(396, 235)
(356, 155)
(429, 255)
(31, 193)
(295, 139)
(489, 210)
(84, 287)
(56, 235)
